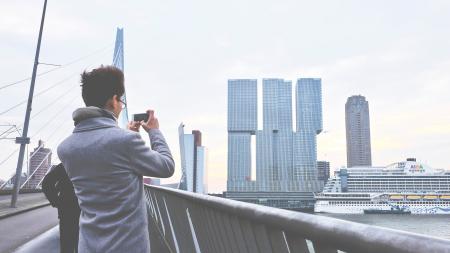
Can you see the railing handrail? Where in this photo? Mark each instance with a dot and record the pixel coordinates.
(343, 235)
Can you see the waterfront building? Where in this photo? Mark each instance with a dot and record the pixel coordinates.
(285, 160)
(323, 170)
(274, 142)
(357, 124)
(309, 125)
(242, 124)
(40, 162)
(403, 186)
(193, 161)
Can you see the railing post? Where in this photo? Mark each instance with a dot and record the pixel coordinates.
(200, 227)
(296, 243)
(278, 241)
(193, 232)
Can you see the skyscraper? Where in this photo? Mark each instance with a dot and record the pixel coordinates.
(357, 125)
(242, 105)
(40, 163)
(309, 124)
(193, 161)
(309, 105)
(285, 160)
(286, 168)
(274, 142)
(242, 124)
(277, 105)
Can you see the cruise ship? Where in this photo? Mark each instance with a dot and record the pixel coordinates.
(403, 187)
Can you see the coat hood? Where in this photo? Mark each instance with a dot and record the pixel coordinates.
(91, 117)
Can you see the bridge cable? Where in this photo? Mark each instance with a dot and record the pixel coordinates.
(43, 91)
(34, 134)
(9, 156)
(56, 68)
(54, 101)
(9, 131)
(54, 116)
(39, 93)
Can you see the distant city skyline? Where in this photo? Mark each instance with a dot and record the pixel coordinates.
(179, 55)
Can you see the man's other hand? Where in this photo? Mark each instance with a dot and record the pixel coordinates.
(152, 122)
(134, 126)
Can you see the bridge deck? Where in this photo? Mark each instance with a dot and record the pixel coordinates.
(21, 228)
(25, 202)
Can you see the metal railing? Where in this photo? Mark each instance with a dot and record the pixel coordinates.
(190, 222)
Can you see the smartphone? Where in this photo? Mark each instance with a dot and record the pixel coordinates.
(140, 117)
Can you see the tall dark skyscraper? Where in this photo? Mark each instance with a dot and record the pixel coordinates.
(357, 125)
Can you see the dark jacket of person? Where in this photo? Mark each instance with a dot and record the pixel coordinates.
(59, 191)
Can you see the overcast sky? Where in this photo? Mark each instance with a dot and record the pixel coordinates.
(179, 55)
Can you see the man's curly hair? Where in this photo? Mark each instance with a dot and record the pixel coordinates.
(101, 84)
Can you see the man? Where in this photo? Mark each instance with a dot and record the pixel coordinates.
(106, 163)
(59, 191)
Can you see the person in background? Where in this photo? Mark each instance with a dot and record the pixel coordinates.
(59, 191)
(106, 165)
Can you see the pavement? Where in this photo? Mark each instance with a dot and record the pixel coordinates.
(23, 227)
(25, 202)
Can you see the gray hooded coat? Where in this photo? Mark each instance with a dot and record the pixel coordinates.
(105, 164)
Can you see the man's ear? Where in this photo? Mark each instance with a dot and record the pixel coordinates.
(110, 102)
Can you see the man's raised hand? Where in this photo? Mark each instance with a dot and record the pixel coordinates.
(134, 126)
(152, 122)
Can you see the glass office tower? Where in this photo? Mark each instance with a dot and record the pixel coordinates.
(242, 124)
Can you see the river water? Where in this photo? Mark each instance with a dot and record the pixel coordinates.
(432, 225)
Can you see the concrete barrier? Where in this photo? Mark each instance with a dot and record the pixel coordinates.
(47, 242)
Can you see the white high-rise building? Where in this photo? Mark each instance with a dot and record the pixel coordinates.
(193, 162)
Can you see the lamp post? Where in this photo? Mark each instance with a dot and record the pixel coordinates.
(24, 140)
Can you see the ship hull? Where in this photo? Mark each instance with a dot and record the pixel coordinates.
(415, 209)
